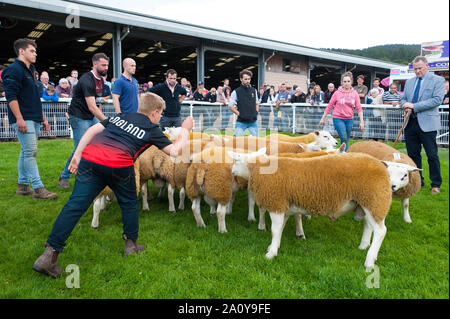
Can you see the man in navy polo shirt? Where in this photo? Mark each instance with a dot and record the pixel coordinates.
(173, 94)
(126, 89)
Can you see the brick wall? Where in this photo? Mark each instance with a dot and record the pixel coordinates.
(298, 74)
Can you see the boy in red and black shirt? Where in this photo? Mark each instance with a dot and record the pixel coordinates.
(104, 157)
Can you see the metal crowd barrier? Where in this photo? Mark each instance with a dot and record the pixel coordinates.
(381, 121)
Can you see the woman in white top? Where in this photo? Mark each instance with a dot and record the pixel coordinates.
(272, 98)
(226, 112)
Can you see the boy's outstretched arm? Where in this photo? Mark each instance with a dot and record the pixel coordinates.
(176, 148)
(93, 131)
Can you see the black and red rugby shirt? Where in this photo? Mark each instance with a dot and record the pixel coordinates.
(125, 137)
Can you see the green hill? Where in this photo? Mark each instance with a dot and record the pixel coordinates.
(397, 53)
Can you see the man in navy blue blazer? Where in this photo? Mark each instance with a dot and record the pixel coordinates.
(422, 97)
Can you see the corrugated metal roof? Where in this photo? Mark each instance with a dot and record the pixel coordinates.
(97, 12)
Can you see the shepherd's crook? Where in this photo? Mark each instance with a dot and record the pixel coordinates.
(403, 125)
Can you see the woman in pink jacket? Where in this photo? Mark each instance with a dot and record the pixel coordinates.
(343, 102)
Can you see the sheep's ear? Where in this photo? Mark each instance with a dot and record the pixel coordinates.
(234, 155)
(261, 151)
(386, 163)
(412, 168)
(317, 132)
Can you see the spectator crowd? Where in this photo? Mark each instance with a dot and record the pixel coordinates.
(266, 94)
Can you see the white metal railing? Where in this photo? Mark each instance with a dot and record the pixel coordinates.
(381, 121)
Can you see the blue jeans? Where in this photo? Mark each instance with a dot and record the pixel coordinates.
(242, 126)
(169, 121)
(90, 180)
(343, 128)
(79, 127)
(27, 166)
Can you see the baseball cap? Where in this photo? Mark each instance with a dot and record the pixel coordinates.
(200, 83)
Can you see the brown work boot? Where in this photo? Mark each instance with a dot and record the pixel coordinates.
(47, 262)
(42, 193)
(131, 247)
(63, 183)
(23, 190)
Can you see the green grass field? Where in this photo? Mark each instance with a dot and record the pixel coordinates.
(184, 261)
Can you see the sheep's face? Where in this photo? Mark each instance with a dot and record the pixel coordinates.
(173, 132)
(399, 174)
(325, 140)
(240, 166)
(241, 160)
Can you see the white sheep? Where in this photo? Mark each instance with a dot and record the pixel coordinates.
(314, 141)
(101, 199)
(210, 175)
(387, 153)
(326, 185)
(169, 172)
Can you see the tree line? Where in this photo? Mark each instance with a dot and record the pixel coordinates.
(396, 53)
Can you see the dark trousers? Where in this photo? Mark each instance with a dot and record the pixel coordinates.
(167, 121)
(415, 138)
(89, 182)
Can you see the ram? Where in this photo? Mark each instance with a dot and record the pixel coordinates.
(210, 175)
(164, 170)
(326, 185)
(314, 141)
(408, 170)
(100, 200)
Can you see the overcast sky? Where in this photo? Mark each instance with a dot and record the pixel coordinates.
(350, 24)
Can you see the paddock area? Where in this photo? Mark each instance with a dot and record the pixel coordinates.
(185, 261)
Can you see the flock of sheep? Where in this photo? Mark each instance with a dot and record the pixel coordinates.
(285, 175)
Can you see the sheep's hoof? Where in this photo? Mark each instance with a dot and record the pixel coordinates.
(300, 236)
(369, 263)
(201, 225)
(181, 207)
(364, 246)
(407, 220)
(261, 227)
(252, 219)
(270, 255)
(223, 231)
(94, 227)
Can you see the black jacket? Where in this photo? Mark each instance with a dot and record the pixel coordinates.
(298, 99)
(246, 104)
(21, 85)
(173, 106)
(210, 97)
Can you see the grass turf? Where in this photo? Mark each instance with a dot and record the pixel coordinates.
(184, 261)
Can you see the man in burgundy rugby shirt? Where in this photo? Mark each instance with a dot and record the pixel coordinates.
(83, 109)
(105, 157)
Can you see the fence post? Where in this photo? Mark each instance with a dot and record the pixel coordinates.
(293, 119)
